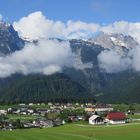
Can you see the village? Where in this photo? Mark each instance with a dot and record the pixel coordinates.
(23, 116)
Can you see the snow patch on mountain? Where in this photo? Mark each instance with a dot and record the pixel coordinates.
(117, 42)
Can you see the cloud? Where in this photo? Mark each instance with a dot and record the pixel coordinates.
(111, 62)
(36, 25)
(46, 57)
(124, 27)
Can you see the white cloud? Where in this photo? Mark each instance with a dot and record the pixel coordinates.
(124, 27)
(111, 62)
(46, 57)
(36, 25)
(51, 69)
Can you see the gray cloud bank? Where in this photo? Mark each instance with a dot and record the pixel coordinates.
(112, 62)
(46, 57)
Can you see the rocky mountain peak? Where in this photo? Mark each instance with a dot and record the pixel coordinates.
(117, 40)
(9, 39)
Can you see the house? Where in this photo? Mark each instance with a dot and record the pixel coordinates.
(3, 112)
(89, 109)
(116, 118)
(137, 113)
(50, 104)
(89, 104)
(28, 125)
(43, 123)
(46, 123)
(95, 119)
(73, 118)
(42, 111)
(30, 104)
(30, 111)
(80, 118)
(14, 111)
(57, 122)
(103, 108)
(22, 104)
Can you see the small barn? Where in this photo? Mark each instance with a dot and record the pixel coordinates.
(95, 119)
(116, 118)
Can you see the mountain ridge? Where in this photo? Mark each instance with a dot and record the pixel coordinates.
(90, 78)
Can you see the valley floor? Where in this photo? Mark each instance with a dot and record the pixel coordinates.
(76, 132)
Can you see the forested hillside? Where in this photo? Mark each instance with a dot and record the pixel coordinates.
(40, 88)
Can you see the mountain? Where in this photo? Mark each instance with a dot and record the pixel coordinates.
(84, 81)
(110, 88)
(9, 39)
(123, 87)
(111, 41)
(34, 88)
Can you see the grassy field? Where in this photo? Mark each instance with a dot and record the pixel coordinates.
(21, 117)
(76, 132)
(134, 116)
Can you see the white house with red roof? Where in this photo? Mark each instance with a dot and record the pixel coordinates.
(116, 118)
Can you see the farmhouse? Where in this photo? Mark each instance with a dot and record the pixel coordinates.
(116, 118)
(89, 109)
(3, 112)
(103, 107)
(95, 119)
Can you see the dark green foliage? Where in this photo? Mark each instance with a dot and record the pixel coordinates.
(17, 124)
(40, 88)
(3, 118)
(121, 88)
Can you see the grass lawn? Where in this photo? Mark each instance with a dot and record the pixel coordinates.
(7, 106)
(21, 117)
(134, 116)
(76, 132)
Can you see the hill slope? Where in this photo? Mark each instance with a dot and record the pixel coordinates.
(38, 88)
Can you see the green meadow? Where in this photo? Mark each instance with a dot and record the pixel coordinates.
(76, 132)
